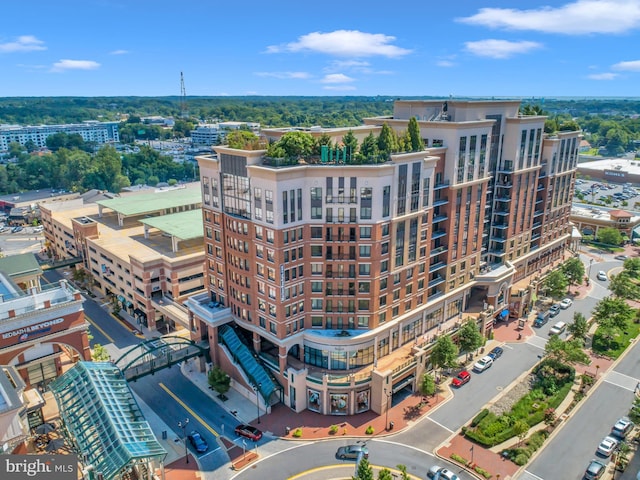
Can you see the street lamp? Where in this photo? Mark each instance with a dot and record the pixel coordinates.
(386, 418)
(589, 271)
(256, 388)
(183, 426)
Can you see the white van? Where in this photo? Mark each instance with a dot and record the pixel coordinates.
(558, 328)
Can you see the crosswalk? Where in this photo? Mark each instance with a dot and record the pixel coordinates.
(621, 380)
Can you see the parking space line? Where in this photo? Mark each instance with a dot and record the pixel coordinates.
(440, 425)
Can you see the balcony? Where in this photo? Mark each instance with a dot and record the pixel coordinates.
(542, 174)
(438, 251)
(436, 266)
(498, 239)
(344, 256)
(537, 213)
(539, 200)
(536, 225)
(440, 186)
(501, 212)
(440, 201)
(435, 282)
(438, 234)
(501, 226)
(506, 167)
(540, 187)
(503, 199)
(439, 218)
(504, 184)
(535, 236)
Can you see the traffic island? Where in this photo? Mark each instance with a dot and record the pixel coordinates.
(238, 456)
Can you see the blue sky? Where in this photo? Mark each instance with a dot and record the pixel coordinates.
(582, 48)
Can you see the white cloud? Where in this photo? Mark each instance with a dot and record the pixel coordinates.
(64, 65)
(445, 63)
(337, 78)
(341, 88)
(119, 52)
(344, 43)
(500, 48)
(296, 75)
(631, 66)
(602, 76)
(24, 43)
(581, 17)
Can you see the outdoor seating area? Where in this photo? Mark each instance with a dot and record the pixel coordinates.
(47, 438)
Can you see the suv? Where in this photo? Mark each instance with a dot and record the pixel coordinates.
(541, 319)
(554, 309)
(622, 427)
(558, 328)
(483, 364)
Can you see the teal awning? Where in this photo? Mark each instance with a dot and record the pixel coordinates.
(120, 298)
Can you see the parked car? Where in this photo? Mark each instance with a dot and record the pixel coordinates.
(462, 378)
(197, 442)
(607, 446)
(483, 364)
(622, 427)
(558, 328)
(566, 303)
(595, 470)
(249, 431)
(38, 229)
(602, 276)
(554, 309)
(621, 257)
(17, 229)
(496, 352)
(541, 319)
(440, 473)
(351, 452)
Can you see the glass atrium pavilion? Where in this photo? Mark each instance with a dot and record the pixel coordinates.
(104, 423)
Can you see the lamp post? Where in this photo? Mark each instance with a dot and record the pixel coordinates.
(183, 426)
(589, 271)
(386, 418)
(256, 388)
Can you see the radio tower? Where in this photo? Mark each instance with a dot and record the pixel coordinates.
(183, 98)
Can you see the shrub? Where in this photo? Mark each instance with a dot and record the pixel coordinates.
(521, 459)
(369, 430)
(478, 418)
(333, 429)
(457, 458)
(482, 471)
(297, 433)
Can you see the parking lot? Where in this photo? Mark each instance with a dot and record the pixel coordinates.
(607, 194)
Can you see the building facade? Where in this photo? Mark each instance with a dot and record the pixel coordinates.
(92, 131)
(336, 278)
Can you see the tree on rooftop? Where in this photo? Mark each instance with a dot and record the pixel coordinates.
(417, 143)
(243, 140)
(369, 147)
(295, 144)
(350, 141)
(388, 140)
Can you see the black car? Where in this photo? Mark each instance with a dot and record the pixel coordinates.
(197, 442)
(496, 352)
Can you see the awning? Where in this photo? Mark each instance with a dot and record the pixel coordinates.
(128, 303)
(504, 313)
(121, 298)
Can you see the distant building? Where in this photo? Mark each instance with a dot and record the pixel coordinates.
(615, 170)
(91, 131)
(588, 220)
(214, 133)
(158, 120)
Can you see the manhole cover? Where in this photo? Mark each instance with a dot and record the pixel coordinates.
(499, 388)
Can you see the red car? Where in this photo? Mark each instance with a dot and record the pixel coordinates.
(462, 378)
(247, 431)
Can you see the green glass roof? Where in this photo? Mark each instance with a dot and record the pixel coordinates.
(142, 203)
(103, 418)
(183, 225)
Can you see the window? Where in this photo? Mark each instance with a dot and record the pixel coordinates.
(365, 250)
(365, 232)
(364, 269)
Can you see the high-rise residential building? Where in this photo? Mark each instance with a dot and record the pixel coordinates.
(90, 131)
(330, 278)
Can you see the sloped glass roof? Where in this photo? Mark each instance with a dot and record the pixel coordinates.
(103, 418)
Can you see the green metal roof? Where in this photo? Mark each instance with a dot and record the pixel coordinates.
(19, 265)
(142, 203)
(184, 225)
(103, 418)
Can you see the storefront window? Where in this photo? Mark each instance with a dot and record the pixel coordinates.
(362, 401)
(339, 403)
(313, 401)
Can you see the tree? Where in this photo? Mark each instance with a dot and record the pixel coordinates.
(243, 140)
(634, 413)
(469, 336)
(610, 236)
(219, 380)
(417, 143)
(579, 328)
(623, 286)
(99, 353)
(385, 474)
(427, 385)
(403, 471)
(444, 353)
(364, 471)
(296, 144)
(555, 284)
(573, 270)
(632, 267)
(387, 141)
(612, 315)
(369, 147)
(520, 428)
(570, 351)
(350, 141)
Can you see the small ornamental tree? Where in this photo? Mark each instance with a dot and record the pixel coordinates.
(579, 328)
(444, 353)
(573, 270)
(219, 380)
(428, 385)
(469, 336)
(555, 284)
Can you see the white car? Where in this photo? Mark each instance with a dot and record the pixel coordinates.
(602, 276)
(566, 303)
(483, 364)
(441, 473)
(558, 328)
(607, 446)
